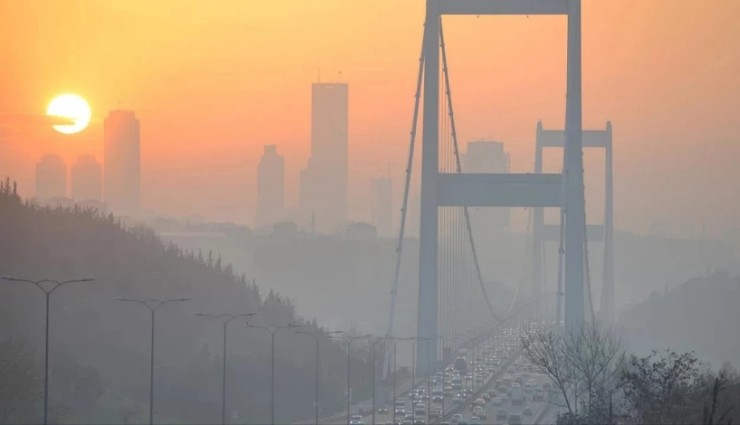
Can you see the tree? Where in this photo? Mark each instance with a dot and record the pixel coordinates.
(663, 387)
(584, 365)
(20, 383)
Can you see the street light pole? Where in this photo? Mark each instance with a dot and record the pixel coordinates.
(413, 380)
(152, 305)
(395, 373)
(372, 379)
(47, 286)
(349, 359)
(225, 319)
(273, 330)
(317, 336)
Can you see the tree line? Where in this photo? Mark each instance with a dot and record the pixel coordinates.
(595, 381)
(99, 348)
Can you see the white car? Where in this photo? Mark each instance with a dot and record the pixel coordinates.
(356, 420)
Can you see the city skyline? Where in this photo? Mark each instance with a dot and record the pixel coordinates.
(86, 179)
(221, 134)
(51, 178)
(324, 180)
(121, 162)
(270, 188)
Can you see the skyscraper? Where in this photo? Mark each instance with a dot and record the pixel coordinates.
(382, 212)
(324, 180)
(87, 179)
(270, 188)
(122, 172)
(51, 178)
(488, 157)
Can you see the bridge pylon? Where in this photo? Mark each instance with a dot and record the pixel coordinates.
(491, 190)
(543, 233)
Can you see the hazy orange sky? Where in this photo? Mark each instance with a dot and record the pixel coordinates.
(213, 81)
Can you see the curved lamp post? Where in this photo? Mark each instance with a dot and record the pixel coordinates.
(225, 319)
(152, 304)
(318, 336)
(273, 330)
(47, 286)
(349, 359)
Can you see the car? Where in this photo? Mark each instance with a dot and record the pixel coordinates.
(457, 398)
(475, 421)
(356, 420)
(383, 410)
(515, 419)
(400, 410)
(502, 414)
(437, 399)
(419, 421)
(497, 401)
(480, 412)
(407, 422)
(527, 411)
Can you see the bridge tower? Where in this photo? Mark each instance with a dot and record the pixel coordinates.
(543, 233)
(492, 190)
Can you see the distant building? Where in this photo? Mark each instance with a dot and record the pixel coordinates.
(382, 210)
(363, 232)
(87, 179)
(488, 157)
(51, 178)
(122, 168)
(270, 188)
(324, 181)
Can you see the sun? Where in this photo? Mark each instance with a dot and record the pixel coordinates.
(70, 106)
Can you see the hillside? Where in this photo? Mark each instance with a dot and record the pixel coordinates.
(701, 314)
(109, 340)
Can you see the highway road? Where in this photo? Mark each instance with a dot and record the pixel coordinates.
(499, 363)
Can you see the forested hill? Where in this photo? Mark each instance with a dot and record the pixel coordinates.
(702, 315)
(109, 340)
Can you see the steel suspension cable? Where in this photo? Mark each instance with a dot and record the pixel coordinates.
(459, 171)
(407, 185)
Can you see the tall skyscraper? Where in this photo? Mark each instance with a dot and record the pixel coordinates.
(122, 171)
(270, 188)
(324, 180)
(51, 178)
(382, 212)
(87, 179)
(488, 157)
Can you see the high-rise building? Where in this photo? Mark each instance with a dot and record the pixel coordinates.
(270, 188)
(382, 211)
(122, 170)
(324, 180)
(488, 157)
(87, 179)
(51, 178)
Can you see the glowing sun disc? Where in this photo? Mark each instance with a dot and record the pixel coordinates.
(73, 107)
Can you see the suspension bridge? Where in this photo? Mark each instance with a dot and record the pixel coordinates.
(452, 292)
